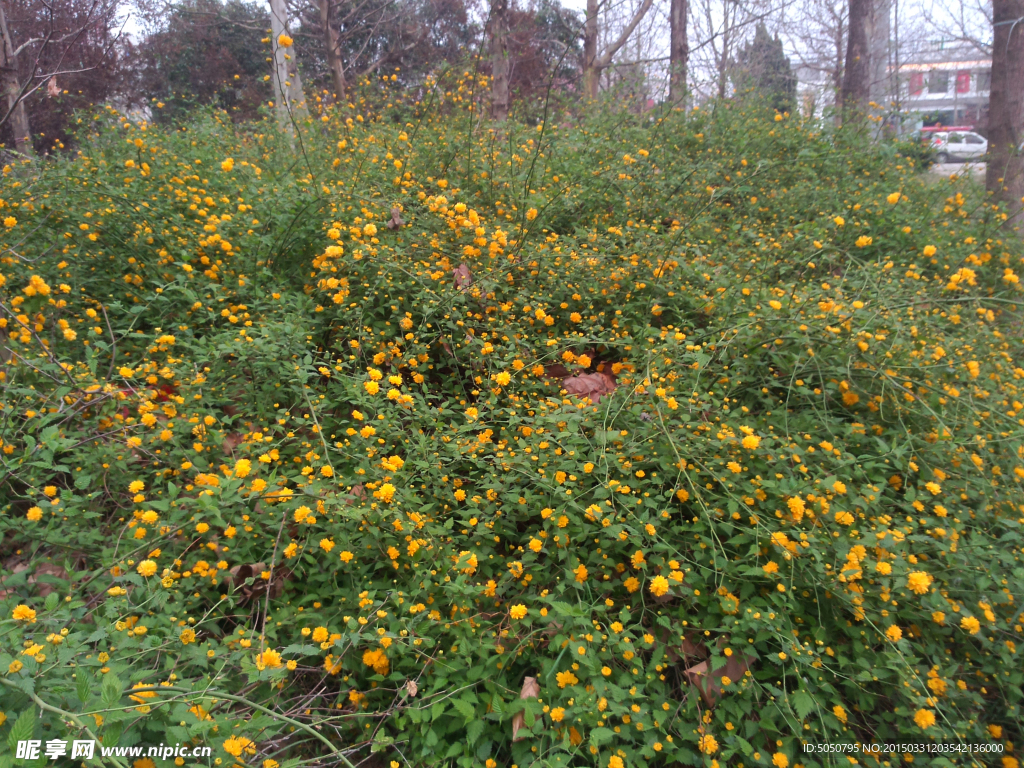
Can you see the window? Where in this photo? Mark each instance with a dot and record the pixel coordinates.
(985, 80)
(973, 138)
(938, 82)
(956, 138)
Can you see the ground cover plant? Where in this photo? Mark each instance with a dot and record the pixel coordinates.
(689, 438)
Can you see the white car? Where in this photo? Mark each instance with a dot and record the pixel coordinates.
(958, 145)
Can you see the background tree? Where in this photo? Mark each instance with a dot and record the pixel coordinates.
(1004, 175)
(598, 58)
(857, 70)
(500, 64)
(207, 52)
(55, 58)
(763, 69)
(679, 50)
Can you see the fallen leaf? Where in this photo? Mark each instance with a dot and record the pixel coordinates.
(47, 569)
(411, 688)
(396, 218)
(710, 686)
(556, 371)
(463, 277)
(51, 87)
(590, 385)
(531, 690)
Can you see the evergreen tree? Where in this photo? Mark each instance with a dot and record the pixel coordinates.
(762, 70)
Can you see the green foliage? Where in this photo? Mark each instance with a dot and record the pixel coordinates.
(762, 68)
(296, 461)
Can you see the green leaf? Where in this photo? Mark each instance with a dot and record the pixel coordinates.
(22, 729)
(474, 731)
(465, 709)
(83, 688)
(599, 736)
(111, 689)
(803, 703)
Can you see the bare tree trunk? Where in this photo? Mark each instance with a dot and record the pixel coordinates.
(594, 64)
(857, 73)
(723, 62)
(500, 70)
(12, 89)
(1004, 175)
(678, 52)
(837, 75)
(590, 73)
(334, 62)
(288, 93)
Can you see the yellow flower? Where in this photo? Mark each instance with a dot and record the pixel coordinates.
(531, 214)
(658, 586)
(863, 241)
(565, 678)
(839, 712)
(269, 658)
(284, 41)
(924, 718)
(346, 556)
(503, 379)
(236, 744)
(894, 633)
(839, 487)
(750, 442)
(517, 611)
(919, 582)
(146, 568)
(934, 488)
(187, 636)
(893, 198)
(707, 744)
(242, 467)
(136, 486)
(779, 760)
(228, 164)
(839, 220)
(930, 250)
(10, 221)
(326, 545)
(557, 714)
(24, 613)
(385, 493)
(34, 514)
(970, 624)
(372, 387)
(775, 304)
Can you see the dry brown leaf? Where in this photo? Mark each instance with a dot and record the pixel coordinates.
(556, 371)
(411, 688)
(396, 218)
(590, 385)
(47, 569)
(530, 690)
(259, 587)
(463, 277)
(710, 686)
(231, 441)
(357, 493)
(52, 89)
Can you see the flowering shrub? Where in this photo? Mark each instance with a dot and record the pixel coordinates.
(645, 442)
